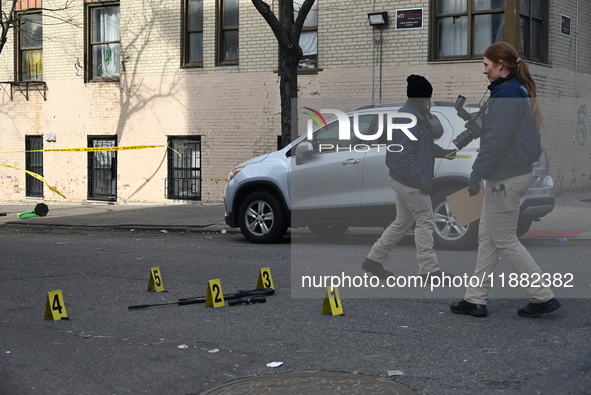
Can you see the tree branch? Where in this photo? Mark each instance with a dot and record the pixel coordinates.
(265, 10)
(302, 14)
(6, 23)
(9, 20)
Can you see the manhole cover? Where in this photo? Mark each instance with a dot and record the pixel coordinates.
(319, 383)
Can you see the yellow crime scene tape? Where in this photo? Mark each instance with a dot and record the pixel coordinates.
(90, 149)
(84, 149)
(37, 176)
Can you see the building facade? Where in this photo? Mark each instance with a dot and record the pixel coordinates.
(187, 89)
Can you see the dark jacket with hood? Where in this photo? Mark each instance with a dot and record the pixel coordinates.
(510, 141)
(417, 159)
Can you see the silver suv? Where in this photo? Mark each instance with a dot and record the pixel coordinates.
(329, 184)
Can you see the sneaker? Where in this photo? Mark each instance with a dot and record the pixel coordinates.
(534, 310)
(375, 268)
(473, 309)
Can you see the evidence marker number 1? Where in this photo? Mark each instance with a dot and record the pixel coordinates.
(332, 302)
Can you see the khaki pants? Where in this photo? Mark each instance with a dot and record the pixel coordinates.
(497, 233)
(411, 207)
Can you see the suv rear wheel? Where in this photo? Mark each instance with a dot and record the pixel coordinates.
(261, 218)
(448, 234)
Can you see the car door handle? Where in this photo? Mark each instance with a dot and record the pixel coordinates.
(350, 162)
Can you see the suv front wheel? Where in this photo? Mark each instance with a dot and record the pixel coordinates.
(448, 234)
(261, 218)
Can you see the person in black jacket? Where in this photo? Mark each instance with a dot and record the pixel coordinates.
(509, 144)
(411, 176)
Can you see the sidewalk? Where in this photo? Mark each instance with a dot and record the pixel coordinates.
(571, 217)
(174, 216)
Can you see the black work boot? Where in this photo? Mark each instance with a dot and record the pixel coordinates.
(375, 268)
(473, 309)
(534, 310)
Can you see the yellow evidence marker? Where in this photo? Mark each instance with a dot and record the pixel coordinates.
(332, 301)
(265, 278)
(214, 296)
(55, 307)
(155, 282)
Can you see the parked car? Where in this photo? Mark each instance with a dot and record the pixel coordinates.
(330, 190)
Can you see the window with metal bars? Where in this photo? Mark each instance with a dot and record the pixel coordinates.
(102, 169)
(184, 168)
(34, 163)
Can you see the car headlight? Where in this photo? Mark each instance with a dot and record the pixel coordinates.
(234, 172)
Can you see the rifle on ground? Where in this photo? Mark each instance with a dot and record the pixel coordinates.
(201, 299)
(256, 299)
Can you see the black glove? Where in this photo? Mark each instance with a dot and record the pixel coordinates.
(449, 152)
(473, 188)
(425, 187)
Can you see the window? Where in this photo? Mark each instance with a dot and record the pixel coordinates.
(34, 163)
(463, 29)
(102, 169)
(30, 47)
(532, 36)
(228, 32)
(193, 41)
(103, 48)
(308, 37)
(184, 168)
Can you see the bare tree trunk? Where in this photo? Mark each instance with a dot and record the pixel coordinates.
(288, 91)
(289, 56)
(287, 31)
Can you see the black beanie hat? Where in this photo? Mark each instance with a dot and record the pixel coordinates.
(418, 86)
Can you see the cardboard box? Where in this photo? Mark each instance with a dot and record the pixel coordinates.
(466, 209)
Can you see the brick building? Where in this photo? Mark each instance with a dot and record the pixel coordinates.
(201, 76)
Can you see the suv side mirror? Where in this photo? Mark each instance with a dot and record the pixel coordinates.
(437, 127)
(303, 149)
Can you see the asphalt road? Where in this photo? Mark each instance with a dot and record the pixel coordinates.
(104, 348)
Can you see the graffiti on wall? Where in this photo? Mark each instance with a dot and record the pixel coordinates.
(581, 129)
